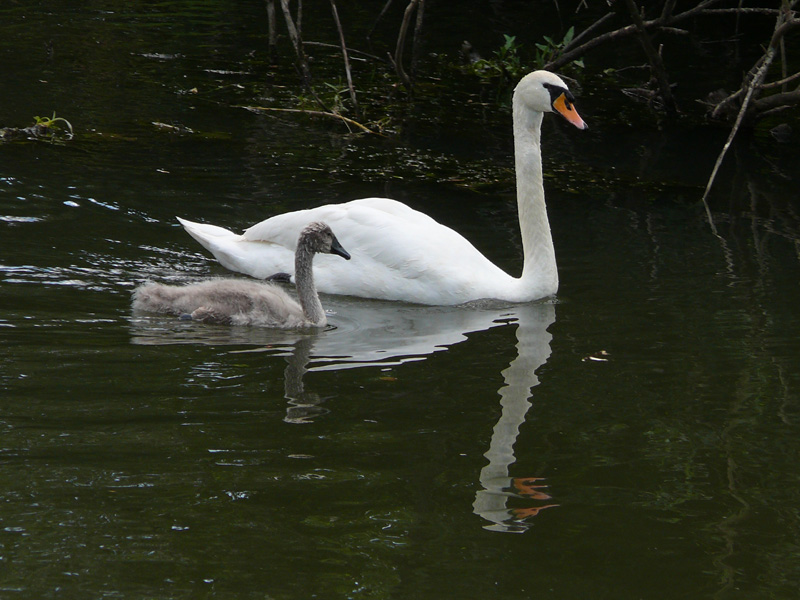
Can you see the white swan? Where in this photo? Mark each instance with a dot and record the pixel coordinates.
(241, 302)
(402, 254)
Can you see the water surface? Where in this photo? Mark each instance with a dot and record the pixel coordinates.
(636, 437)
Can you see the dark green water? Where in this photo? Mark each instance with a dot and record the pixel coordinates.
(637, 438)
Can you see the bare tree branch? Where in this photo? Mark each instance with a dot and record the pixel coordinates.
(297, 43)
(401, 44)
(312, 113)
(653, 56)
(416, 46)
(742, 10)
(589, 29)
(272, 26)
(626, 31)
(350, 51)
(781, 82)
(378, 20)
(785, 23)
(782, 100)
(346, 58)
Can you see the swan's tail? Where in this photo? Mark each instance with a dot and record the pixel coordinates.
(221, 242)
(257, 259)
(207, 235)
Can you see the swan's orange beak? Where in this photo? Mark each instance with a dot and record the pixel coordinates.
(566, 109)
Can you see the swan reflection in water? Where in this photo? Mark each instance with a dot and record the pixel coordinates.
(373, 333)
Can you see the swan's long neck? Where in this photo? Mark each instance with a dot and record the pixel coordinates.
(306, 290)
(539, 273)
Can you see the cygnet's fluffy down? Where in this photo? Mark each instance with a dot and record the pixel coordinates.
(238, 302)
(225, 302)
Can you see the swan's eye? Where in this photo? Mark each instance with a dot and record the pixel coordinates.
(558, 92)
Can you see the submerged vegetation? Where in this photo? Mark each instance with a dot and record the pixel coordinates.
(48, 129)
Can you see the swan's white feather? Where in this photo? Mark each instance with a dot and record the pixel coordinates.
(397, 253)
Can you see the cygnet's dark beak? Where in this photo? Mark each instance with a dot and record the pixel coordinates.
(336, 248)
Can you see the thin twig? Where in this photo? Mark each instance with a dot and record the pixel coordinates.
(776, 101)
(781, 29)
(622, 32)
(313, 113)
(401, 44)
(380, 16)
(297, 42)
(740, 11)
(350, 51)
(346, 58)
(271, 26)
(294, 36)
(756, 77)
(588, 30)
(780, 82)
(415, 42)
(783, 61)
(654, 58)
(669, 6)
(737, 30)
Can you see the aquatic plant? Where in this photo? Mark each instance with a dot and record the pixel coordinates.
(506, 62)
(550, 50)
(53, 125)
(49, 129)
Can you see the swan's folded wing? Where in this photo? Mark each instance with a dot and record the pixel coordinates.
(406, 254)
(397, 252)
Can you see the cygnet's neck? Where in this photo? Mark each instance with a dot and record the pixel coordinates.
(306, 290)
(539, 272)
